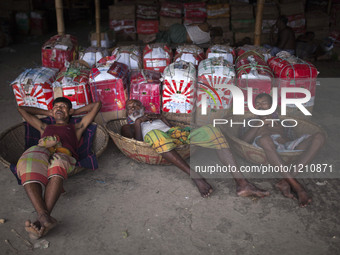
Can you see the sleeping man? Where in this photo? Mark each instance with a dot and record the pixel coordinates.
(274, 139)
(156, 130)
(48, 164)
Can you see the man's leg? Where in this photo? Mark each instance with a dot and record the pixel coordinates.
(274, 158)
(243, 187)
(173, 157)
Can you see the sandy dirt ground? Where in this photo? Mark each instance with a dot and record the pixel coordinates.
(130, 208)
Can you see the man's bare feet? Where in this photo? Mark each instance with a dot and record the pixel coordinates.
(204, 188)
(285, 189)
(304, 199)
(47, 223)
(249, 189)
(33, 229)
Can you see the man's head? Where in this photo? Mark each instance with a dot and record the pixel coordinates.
(62, 109)
(263, 101)
(281, 22)
(134, 109)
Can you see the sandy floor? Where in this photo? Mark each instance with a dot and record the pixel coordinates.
(129, 208)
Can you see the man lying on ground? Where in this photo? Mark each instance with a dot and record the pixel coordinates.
(156, 130)
(48, 163)
(273, 139)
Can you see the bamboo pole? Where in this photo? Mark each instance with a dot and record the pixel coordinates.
(97, 3)
(258, 23)
(60, 17)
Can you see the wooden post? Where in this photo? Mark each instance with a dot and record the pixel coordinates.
(97, 2)
(60, 17)
(258, 23)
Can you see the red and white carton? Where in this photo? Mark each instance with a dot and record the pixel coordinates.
(189, 53)
(58, 50)
(108, 84)
(145, 86)
(225, 51)
(291, 71)
(129, 55)
(93, 54)
(179, 88)
(156, 57)
(73, 83)
(213, 72)
(171, 9)
(253, 72)
(33, 87)
(195, 10)
(265, 53)
(145, 26)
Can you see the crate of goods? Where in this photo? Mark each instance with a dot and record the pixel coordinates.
(156, 57)
(263, 52)
(129, 55)
(122, 20)
(179, 88)
(73, 83)
(145, 86)
(123, 26)
(147, 12)
(33, 87)
(253, 72)
(38, 23)
(241, 11)
(189, 53)
(293, 8)
(171, 9)
(147, 26)
(298, 23)
(215, 11)
(225, 51)
(291, 71)
(242, 25)
(195, 12)
(92, 55)
(59, 50)
(109, 84)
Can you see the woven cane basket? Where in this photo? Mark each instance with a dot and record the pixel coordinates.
(141, 151)
(257, 155)
(12, 144)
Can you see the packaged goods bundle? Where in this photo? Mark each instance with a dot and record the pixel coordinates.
(145, 86)
(189, 53)
(291, 71)
(212, 74)
(297, 23)
(147, 26)
(263, 52)
(225, 51)
(147, 11)
(128, 55)
(109, 84)
(179, 88)
(59, 50)
(106, 39)
(171, 9)
(126, 26)
(156, 57)
(195, 12)
(122, 20)
(92, 55)
(73, 83)
(215, 11)
(253, 72)
(33, 87)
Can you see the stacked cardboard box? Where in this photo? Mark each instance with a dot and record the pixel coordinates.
(242, 21)
(218, 15)
(195, 13)
(147, 20)
(295, 12)
(122, 20)
(171, 13)
(270, 15)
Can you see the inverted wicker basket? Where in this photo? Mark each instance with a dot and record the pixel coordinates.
(257, 155)
(140, 151)
(12, 144)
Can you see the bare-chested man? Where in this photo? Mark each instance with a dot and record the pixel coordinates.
(49, 163)
(273, 139)
(156, 130)
(286, 37)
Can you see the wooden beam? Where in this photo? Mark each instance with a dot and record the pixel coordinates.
(258, 23)
(60, 17)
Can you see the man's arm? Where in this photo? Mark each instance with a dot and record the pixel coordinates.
(28, 113)
(92, 110)
(284, 36)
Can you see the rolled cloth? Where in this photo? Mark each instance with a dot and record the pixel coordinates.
(197, 35)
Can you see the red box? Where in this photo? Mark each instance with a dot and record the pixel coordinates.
(59, 49)
(156, 57)
(33, 87)
(109, 85)
(76, 88)
(252, 71)
(145, 87)
(147, 26)
(170, 9)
